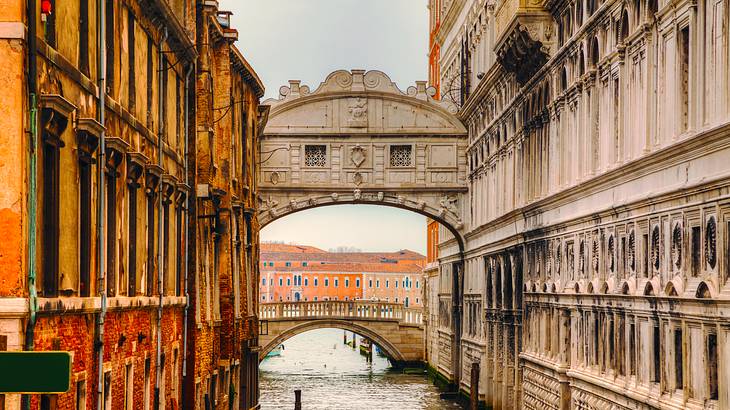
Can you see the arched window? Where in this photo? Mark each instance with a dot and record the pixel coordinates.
(703, 292)
(624, 26)
(581, 63)
(563, 79)
(595, 52)
(578, 14)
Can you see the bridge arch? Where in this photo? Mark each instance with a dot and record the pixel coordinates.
(389, 348)
(359, 139)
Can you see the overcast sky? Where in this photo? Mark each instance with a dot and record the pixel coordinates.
(308, 39)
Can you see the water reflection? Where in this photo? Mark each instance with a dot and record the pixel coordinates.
(332, 375)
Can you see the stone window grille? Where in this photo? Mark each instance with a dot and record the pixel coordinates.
(611, 254)
(655, 237)
(631, 251)
(711, 243)
(400, 155)
(315, 156)
(677, 246)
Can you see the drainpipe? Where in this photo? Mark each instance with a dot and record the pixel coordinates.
(101, 275)
(160, 255)
(32, 180)
(189, 199)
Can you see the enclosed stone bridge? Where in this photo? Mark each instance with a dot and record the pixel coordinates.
(359, 139)
(397, 330)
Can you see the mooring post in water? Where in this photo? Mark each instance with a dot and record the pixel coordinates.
(297, 400)
(474, 387)
(344, 337)
(354, 341)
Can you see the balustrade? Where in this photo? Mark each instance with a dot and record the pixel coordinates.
(341, 309)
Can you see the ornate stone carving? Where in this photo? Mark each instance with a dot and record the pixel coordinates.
(357, 178)
(711, 242)
(335, 196)
(655, 237)
(677, 246)
(358, 154)
(631, 252)
(357, 194)
(358, 109)
(381, 196)
(611, 254)
(274, 178)
(448, 203)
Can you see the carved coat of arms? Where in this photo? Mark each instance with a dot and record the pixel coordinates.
(358, 155)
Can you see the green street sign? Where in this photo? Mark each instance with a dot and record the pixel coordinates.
(35, 372)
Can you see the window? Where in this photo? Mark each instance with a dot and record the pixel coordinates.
(315, 156)
(150, 79)
(316, 282)
(107, 390)
(50, 168)
(83, 36)
(326, 281)
(315, 298)
(81, 395)
(370, 283)
(678, 359)
(337, 282)
(712, 380)
(304, 264)
(357, 283)
(377, 283)
(684, 78)
(417, 285)
(128, 387)
(110, 46)
(306, 281)
(85, 227)
(150, 277)
(281, 281)
(146, 384)
(347, 283)
(287, 264)
(387, 283)
(50, 35)
(656, 350)
(263, 281)
(132, 67)
(632, 349)
(288, 281)
(396, 284)
(696, 247)
(400, 155)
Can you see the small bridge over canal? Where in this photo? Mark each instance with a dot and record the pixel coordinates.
(397, 330)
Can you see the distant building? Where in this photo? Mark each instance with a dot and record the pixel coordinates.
(305, 273)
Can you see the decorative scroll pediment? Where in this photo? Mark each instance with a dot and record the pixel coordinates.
(361, 102)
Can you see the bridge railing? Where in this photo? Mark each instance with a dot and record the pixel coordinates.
(340, 309)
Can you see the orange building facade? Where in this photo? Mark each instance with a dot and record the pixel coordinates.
(304, 273)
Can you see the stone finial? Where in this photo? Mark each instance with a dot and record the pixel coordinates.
(358, 80)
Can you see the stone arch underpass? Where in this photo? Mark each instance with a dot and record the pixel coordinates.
(358, 139)
(398, 331)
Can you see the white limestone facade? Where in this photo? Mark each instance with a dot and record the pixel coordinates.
(596, 267)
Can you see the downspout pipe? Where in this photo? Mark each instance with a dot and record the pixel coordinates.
(160, 261)
(187, 242)
(100, 200)
(32, 179)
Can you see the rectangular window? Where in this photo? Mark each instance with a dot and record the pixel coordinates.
(315, 156)
(288, 281)
(287, 264)
(316, 282)
(696, 250)
(150, 241)
(111, 231)
(110, 46)
(107, 391)
(263, 281)
(712, 379)
(387, 283)
(632, 349)
(146, 398)
(129, 387)
(337, 282)
(417, 283)
(84, 36)
(85, 232)
(304, 264)
(306, 281)
(396, 284)
(377, 283)
(132, 68)
(656, 351)
(166, 243)
(645, 255)
(50, 213)
(50, 34)
(180, 250)
(400, 155)
(150, 77)
(163, 95)
(132, 265)
(678, 359)
(347, 283)
(370, 283)
(326, 282)
(357, 283)
(684, 78)
(81, 395)
(281, 281)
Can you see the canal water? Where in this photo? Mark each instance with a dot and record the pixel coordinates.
(332, 375)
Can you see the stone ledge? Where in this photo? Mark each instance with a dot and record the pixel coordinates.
(93, 304)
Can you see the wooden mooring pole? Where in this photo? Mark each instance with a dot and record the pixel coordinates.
(474, 387)
(297, 400)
